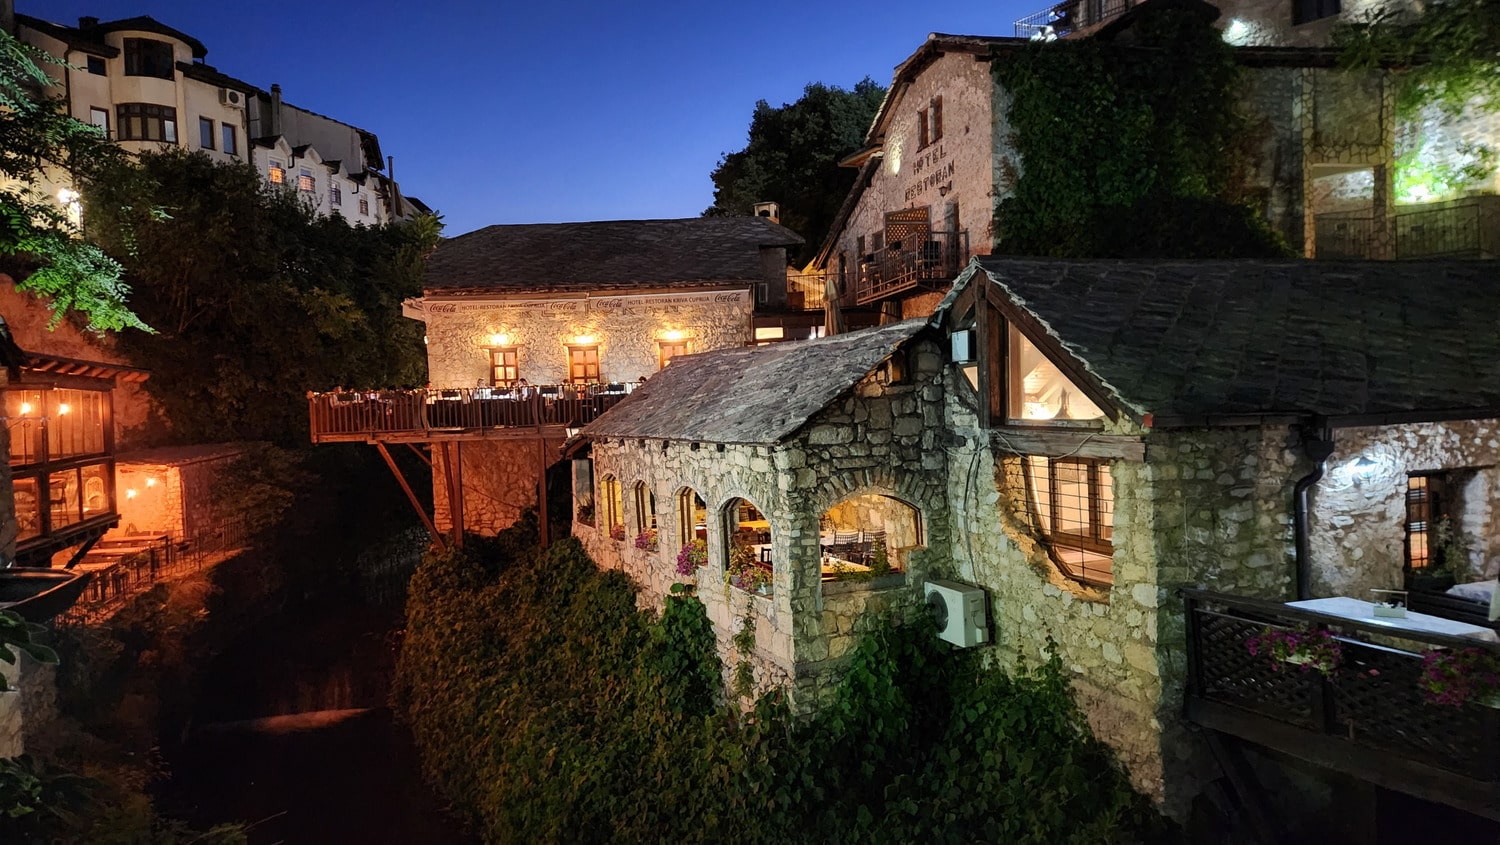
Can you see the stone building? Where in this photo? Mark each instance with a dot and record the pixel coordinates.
(940, 157)
(1085, 441)
(534, 329)
(147, 86)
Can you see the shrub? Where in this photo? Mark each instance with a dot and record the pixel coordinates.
(1455, 677)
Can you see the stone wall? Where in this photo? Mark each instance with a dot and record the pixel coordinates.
(29, 706)
(1358, 516)
(625, 327)
(499, 481)
(1268, 23)
(877, 439)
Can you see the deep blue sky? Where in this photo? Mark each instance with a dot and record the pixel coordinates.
(505, 112)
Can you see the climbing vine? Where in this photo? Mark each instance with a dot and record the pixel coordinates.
(1130, 150)
(549, 708)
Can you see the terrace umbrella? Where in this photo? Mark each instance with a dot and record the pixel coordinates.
(833, 316)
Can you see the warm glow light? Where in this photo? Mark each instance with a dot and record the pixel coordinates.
(130, 494)
(62, 408)
(673, 334)
(25, 407)
(150, 482)
(67, 196)
(584, 339)
(500, 339)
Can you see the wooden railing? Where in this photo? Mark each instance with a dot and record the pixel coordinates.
(1069, 16)
(1368, 716)
(807, 291)
(933, 260)
(371, 415)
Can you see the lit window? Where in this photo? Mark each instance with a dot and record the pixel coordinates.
(148, 57)
(205, 133)
(1038, 390)
(1427, 518)
(614, 506)
(305, 181)
(231, 140)
(645, 507)
(277, 173)
(583, 364)
(504, 366)
(1073, 503)
(670, 349)
(146, 122)
(692, 517)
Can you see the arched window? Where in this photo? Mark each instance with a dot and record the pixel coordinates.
(747, 547)
(645, 507)
(614, 506)
(692, 517)
(867, 536)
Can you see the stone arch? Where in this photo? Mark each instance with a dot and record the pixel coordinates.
(643, 503)
(611, 505)
(690, 515)
(746, 541)
(868, 533)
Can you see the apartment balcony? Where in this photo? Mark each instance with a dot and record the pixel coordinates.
(1069, 16)
(1367, 716)
(421, 416)
(930, 260)
(1462, 228)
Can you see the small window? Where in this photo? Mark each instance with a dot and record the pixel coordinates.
(1307, 11)
(583, 364)
(148, 57)
(762, 293)
(1073, 503)
(924, 129)
(305, 182)
(645, 508)
(614, 506)
(277, 174)
(669, 349)
(1429, 514)
(205, 133)
(100, 118)
(335, 194)
(364, 204)
(96, 66)
(1037, 390)
(504, 366)
(146, 122)
(935, 110)
(231, 140)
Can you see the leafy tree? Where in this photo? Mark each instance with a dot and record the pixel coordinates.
(1451, 51)
(792, 158)
(38, 139)
(256, 298)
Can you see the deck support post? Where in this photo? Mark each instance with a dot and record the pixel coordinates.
(410, 496)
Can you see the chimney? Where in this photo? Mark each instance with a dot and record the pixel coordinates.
(275, 121)
(83, 23)
(769, 210)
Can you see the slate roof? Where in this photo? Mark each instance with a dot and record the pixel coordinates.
(750, 395)
(1195, 339)
(601, 255)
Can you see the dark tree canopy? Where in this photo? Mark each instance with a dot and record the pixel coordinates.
(256, 299)
(792, 158)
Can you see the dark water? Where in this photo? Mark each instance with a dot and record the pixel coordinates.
(293, 736)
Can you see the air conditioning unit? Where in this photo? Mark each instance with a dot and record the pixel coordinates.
(959, 610)
(229, 96)
(963, 346)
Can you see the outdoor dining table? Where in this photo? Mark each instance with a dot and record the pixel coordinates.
(1363, 611)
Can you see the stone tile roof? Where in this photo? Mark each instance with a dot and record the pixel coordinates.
(602, 255)
(754, 395)
(1194, 339)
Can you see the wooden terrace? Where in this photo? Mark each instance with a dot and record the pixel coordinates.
(474, 413)
(1367, 716)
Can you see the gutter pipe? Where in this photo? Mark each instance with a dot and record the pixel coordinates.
(1317, 444)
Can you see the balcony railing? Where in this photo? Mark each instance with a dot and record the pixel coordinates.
(418, 415)
(1069, 16)
(1464, 228)
(807, 291)
(929, 261)
(1367, 717)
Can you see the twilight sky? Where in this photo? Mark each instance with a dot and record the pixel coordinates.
(505, 112)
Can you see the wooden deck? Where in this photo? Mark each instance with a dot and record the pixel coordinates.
(425, 416)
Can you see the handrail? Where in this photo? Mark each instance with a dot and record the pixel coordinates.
(361, 413)
(1265, 606)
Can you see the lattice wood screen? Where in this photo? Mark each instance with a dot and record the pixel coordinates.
(908, 227)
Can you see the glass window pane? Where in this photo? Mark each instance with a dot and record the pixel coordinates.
(63, 496)
(1039, 391)
(95, 490)
(1071, 498)
(1106, 503)
(28, 508)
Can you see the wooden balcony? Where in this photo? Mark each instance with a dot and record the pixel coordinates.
(931, 262)
(1461, 228)
(807, 291)
(1069, 16)
(420, 416)
(1367, 717)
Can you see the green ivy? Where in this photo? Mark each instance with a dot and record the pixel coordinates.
(548, 708)
(1130, 150)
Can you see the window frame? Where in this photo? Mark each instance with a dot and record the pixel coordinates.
(95, 113)
(335, 194)
(645, 507)
(1099, 539)
(364, 204)
(206, 133)
(136, 53)
(163, 118)
(229, 139)
(666, 350)
(1436, 497)
(96, 66)
(275, 173)
(584, 349)
(499, 365)
(306, 182)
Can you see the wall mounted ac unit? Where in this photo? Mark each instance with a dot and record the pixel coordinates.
(229, 96)
(963, 346)
(960, 612)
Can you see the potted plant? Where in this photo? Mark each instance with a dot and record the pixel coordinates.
(586, 513)
(1310, 650)
(646, 540)
(745, 572)
(617, 532)
(1456, 677)
(692, 556)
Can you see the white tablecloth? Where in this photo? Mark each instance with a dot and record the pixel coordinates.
(1352, 608)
